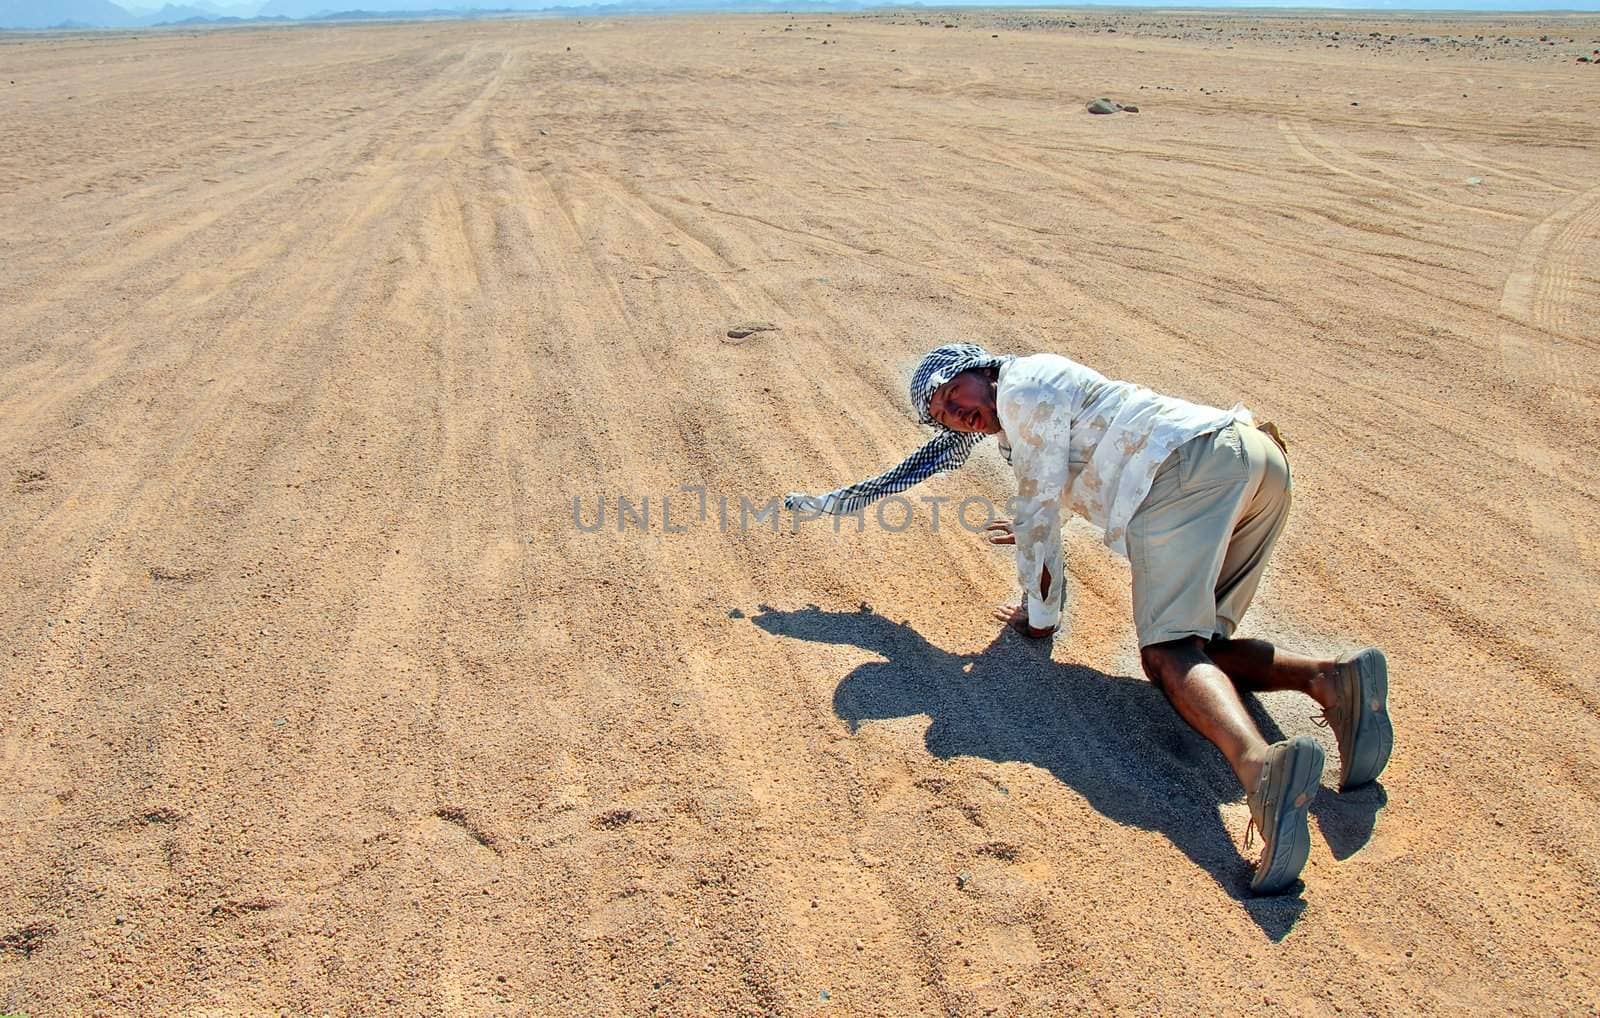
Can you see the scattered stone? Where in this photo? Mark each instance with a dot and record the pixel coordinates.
(26, 940)
(160, 815)
(963, 879)
(744, 330)
(238, 909)
(176, 574)
(1474, 181)
(458, 816)
(612, 819)
(1104, 105)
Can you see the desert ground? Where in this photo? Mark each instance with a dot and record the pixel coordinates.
(320, 698)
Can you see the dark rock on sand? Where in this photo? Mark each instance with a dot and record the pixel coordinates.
(746, 329)
(1104, 105)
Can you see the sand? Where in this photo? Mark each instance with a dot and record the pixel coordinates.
(316, 700)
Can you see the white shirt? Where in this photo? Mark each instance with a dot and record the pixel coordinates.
(1078, 437)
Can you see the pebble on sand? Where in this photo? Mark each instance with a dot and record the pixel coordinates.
(746, 329)
(1104, 105)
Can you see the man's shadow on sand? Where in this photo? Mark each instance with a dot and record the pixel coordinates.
(1114, 740)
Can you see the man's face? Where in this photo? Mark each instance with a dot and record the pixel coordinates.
(966, 403)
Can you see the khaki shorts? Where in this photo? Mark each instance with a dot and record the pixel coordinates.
(1199, 541)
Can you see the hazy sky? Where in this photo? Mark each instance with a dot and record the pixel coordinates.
(51, 12)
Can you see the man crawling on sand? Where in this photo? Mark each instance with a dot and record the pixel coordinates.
(1195, 497)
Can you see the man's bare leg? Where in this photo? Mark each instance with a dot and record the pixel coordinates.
(1353, 696)
(1257, 666)
(1205, 696)
(1279, 780)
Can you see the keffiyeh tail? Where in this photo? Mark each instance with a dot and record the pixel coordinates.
(945, 451)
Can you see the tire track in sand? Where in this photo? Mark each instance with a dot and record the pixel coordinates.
(141, 497)
(1538, 295)
(1301, 138)
(1458, 153)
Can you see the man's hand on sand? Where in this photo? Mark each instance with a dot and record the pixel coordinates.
(1016, 616)
(1000, 532)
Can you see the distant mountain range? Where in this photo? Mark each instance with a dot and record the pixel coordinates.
(105, 14)
(74, 14)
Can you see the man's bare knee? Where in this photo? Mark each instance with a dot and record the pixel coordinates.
(1167, 663)
(1153, 660)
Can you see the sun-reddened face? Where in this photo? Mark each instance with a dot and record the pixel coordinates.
(966, 403)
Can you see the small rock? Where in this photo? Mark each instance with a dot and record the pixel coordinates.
(1474, 181)
(745, 329)
(963, 879)
(1103, 105)
(1130, 109)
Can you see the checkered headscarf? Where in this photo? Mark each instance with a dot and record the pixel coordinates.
(946, 451)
